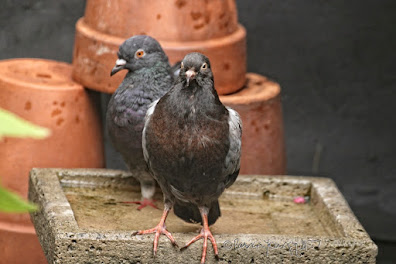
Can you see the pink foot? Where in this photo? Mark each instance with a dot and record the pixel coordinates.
(205, 234)
(158, 230)
(143, 203)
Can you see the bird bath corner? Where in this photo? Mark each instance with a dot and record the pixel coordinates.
(82, 220)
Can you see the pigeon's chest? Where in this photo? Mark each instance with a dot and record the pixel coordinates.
(125, 118)
(192, 136)
(128, 108)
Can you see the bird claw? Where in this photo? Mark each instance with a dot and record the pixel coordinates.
(183, 248)
(205, 234)
(158, 230)
(174, 244)
(143, 203)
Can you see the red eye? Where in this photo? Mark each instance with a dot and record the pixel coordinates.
(139, 53)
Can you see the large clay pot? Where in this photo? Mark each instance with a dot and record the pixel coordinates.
(181, 26)
(259, 105)
(43, 92)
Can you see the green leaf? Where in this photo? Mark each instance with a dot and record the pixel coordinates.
(13, 126)
(12, 203)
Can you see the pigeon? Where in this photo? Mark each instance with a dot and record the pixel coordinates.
(149, 77)
(192, 145)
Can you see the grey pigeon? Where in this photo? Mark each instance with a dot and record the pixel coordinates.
(149, 77)
(192, 144)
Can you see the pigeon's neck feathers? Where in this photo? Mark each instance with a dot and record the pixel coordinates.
(155, 77)
(196, 100)
(202, 91)
(160, 67)
(150, 83)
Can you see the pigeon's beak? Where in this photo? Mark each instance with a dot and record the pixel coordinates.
(120, 64)
(190, 75)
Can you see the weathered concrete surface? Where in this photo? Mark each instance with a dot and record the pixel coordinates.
(65, 241)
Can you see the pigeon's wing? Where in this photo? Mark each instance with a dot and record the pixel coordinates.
(149, 113)
(130, 108)
(175, 69)
(232, 160)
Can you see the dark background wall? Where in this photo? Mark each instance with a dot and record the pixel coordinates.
(335, 63)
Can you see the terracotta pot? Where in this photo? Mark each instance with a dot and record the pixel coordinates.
(19, 245)
(43, 92)
(180, 26)
(259, 105)
(176, 20)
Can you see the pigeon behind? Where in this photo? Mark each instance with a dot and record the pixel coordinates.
(149, 77)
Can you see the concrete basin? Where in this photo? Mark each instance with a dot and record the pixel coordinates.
(82, 220)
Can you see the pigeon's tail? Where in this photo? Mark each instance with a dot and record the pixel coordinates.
(190, 212)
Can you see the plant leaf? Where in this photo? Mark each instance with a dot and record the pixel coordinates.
(13, 126)
(12, 203)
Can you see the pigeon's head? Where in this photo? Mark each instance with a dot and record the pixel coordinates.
(139, 52)
(195, 66)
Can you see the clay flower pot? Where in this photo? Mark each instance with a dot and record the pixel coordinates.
(43, 93)
(181, 26)
(259, 105)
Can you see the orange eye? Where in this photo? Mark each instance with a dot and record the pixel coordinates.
(204, 66)
(139, 53)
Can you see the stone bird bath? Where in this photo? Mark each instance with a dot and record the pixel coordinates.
(81, 220)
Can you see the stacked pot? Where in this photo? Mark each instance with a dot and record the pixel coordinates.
(44, 93)
(184, 26)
